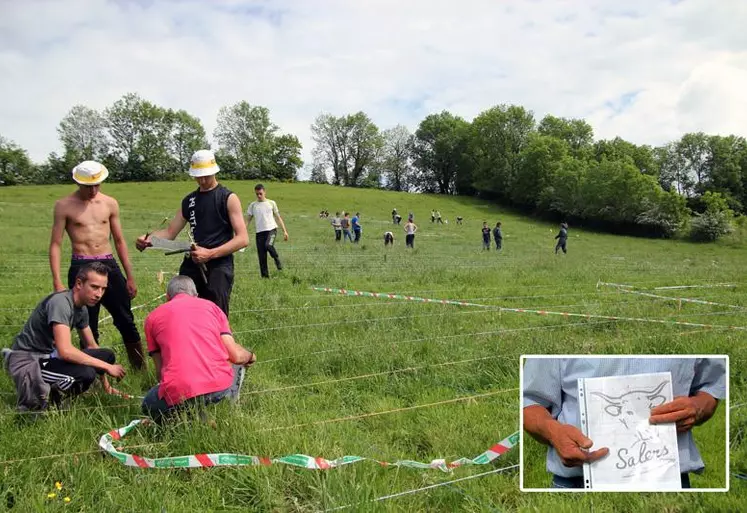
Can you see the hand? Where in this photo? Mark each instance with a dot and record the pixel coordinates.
(116, 371)
(200, 255)
(59, 287)
(571, 444)
(131, 287)
(285, 236)
(682, 410)
(252, 359)
(143, 242)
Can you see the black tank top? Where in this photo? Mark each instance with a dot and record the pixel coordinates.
(207, 212)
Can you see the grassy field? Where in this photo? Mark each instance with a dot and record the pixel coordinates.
(370, 377)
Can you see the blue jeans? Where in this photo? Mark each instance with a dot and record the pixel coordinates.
(157, 408)
(347, 235)
(578, 481)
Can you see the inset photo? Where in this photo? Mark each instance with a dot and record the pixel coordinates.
(637, 423)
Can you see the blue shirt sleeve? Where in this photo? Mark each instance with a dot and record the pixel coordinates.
(710, 377)
(542, 384)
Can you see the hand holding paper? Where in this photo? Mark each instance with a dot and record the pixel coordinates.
(687, 412)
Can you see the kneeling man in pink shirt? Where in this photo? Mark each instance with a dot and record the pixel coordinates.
(197, 360)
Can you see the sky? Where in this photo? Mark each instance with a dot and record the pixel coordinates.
(644, 70)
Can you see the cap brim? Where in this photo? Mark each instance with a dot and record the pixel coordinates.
(91, 181)
(197, 173)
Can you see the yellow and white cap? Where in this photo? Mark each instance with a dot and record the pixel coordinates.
(90, 172)
(203, 164)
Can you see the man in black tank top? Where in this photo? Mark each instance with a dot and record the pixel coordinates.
(217, 224)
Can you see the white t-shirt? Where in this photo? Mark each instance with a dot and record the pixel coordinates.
(263, 213)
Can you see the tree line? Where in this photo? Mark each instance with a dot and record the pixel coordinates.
(552, 167)
(140, 141)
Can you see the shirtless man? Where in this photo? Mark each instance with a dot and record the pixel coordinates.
(90, 217)
(215, 218)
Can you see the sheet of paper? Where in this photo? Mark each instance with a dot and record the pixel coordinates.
(614, 414)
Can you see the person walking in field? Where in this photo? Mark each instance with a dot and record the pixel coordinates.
(43, 363)
(197, 360)
(498, 236)
(410, 229)
(485, 235)
(337, 225)
(345, 223)
(266, 212)
(438, 217)
(217, 226)
(91, 219)
(433, 216)
(357, 228)
(562, 237)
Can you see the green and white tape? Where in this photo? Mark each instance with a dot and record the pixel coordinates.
(108, 440)
(384, 295)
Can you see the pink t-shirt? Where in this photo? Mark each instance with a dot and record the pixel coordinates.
(187, 332)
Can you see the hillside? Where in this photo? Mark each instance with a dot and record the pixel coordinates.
(380, 378)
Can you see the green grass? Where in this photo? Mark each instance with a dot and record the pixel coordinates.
(303, 338)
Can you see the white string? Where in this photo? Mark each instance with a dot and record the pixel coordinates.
(424, 488)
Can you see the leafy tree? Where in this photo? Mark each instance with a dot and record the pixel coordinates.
(438, 152)
(246, 133)
(499, 135)
(15, 166)
(694, 151)
(139, 131)
(349, 145)
(396, 162)
(577, 133)
(186, 136)
(641, 157)
(83, 133)
(538, 162)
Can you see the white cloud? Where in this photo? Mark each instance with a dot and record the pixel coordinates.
(683, 64)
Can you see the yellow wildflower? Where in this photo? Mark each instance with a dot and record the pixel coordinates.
(58, 485)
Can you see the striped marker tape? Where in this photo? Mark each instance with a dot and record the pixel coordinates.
(382, 295)
(107, 441)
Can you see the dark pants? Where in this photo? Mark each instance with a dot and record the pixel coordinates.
(486, 243)
(158, 409)
(410, 240)
(338, 235)
(116, 300)
(357, 235)
(498, 244)
(72, 378)
(560, 245)
(346, 235)
(266, 244)
(578, 481)
(219, 280)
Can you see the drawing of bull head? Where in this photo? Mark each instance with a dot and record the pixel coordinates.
(633, 404)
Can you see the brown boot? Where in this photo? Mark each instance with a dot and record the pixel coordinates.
(135, 354)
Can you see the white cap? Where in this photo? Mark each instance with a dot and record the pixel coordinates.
(90, 172)
(203, 163)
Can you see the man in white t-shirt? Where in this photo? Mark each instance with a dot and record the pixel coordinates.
(266, 212)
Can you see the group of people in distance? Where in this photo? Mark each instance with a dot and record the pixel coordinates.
(189, 337)
(347, 228)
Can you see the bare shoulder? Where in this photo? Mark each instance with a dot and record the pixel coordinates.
(63, 205)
